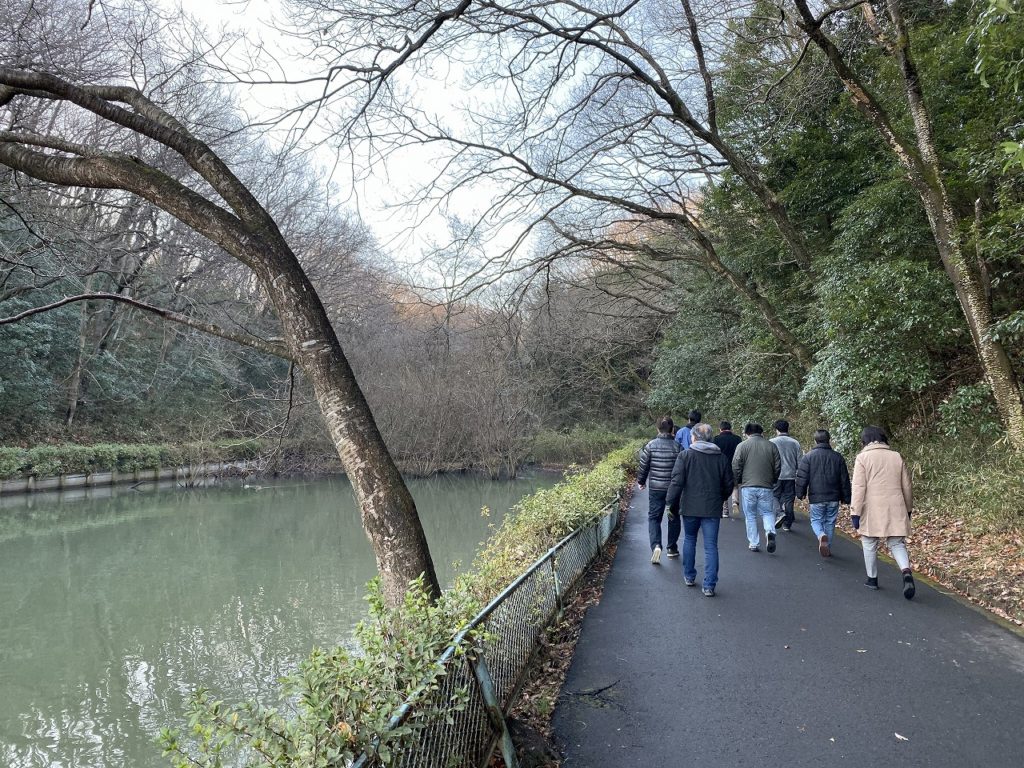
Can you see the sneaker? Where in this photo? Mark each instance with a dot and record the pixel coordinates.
(690, 582)
(708, 592)
(778, 520)
(771, 543)
(672, 552)
(787, 528)
(754, 548)
(725, 514)
(823, 548)
(908, 585)
(656, 556)
(872, 582)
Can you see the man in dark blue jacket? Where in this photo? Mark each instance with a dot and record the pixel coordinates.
(701, 481)
(656, 461)
(823, 477)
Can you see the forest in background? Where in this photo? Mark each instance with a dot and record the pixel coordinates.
(649, 291)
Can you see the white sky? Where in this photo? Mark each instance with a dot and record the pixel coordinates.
(383, 195)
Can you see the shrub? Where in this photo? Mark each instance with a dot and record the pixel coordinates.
(49, 460)
(340, 702)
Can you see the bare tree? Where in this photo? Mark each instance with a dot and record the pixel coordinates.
(219, 206)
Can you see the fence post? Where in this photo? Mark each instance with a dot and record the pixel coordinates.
(556, 581)
(497, 718)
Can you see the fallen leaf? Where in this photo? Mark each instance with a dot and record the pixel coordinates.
(862, 650)
(901, 738)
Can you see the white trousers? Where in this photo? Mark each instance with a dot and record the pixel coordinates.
(897, 548)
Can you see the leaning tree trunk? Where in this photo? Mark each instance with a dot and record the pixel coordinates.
(236, 221)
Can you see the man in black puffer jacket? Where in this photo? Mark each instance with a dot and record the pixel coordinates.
(823, 477)
(701, 482)
(656, 461)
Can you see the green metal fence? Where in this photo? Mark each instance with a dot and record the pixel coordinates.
(493, 673)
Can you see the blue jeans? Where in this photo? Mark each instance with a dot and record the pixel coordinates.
(758, 502)
(708, 526)
(823, 519)
(655, 511)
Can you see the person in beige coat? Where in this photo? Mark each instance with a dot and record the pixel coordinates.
(881, 505)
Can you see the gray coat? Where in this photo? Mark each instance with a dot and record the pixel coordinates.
(790, 453)
(656, 461)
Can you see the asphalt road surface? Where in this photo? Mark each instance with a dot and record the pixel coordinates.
(793, 663)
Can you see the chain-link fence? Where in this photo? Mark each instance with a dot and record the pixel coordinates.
(490, 676)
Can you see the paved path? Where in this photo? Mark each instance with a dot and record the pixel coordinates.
(792, 663)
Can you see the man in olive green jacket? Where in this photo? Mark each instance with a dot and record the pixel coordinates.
(756, 466)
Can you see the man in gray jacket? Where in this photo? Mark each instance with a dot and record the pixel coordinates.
(656, 461)
(785, 488)
(756, 466)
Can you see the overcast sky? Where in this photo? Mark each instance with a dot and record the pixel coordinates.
(383, 193)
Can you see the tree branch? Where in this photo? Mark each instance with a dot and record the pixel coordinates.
(267, 347)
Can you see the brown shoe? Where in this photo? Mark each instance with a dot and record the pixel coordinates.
(823, 549)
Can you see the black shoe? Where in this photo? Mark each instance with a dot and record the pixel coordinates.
(779, 520)
(672, 552)
(770, 547)
(787, 528)
(872, 582)
(908, 585)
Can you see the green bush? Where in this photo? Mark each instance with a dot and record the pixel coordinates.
(49, 460)
(579, 445)
(338, 703)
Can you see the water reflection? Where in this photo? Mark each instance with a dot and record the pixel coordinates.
(113, 610)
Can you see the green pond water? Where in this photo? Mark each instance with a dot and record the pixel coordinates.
(113, 610)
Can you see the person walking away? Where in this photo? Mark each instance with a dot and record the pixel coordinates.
(727, 441)
(755, 468)
(657, 459)
(701, 482)
(683, 437)
(881, 505)
(822, 476)
(784, 491)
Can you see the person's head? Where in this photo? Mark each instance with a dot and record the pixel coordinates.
(870, 435)
(701, 432)
(724, 426)
(753, 428)
(782, 426)
(694, 417)
(822, 437)
(665, 425)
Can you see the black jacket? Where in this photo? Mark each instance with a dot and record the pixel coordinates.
(727, 441)
(656, 461)
(822, 476)
(701, 482)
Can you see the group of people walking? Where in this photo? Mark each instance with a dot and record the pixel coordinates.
(700, 477)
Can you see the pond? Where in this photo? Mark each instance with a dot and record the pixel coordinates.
(113, 610)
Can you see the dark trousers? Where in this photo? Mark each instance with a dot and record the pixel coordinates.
(785, 494)
(655, 511)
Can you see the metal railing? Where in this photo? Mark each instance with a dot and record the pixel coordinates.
(491, 674)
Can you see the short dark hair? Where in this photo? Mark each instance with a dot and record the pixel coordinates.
(753, 428)
(782, 425)
(694, 416)
(873, 435)
(665, 424)
(724, 425)
(822, 436)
